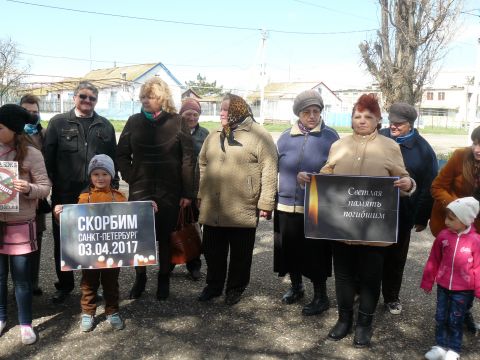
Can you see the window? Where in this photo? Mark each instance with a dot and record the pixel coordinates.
(441, 95)
(433, 112)
(429, 95)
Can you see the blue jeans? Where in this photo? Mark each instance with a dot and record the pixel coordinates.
(451, 309)
(21, 276)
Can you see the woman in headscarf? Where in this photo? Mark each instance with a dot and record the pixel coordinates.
(358, 264)
(155, 158)
(238, 178)
(303, 147)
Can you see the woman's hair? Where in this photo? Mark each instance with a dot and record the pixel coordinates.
(159, 89)
(469, 162)
(368, 102)
(22, 143)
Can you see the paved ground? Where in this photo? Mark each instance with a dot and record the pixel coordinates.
(259, 327)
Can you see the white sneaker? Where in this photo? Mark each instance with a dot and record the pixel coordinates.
(3, 323)
(452, 355)
(28, 335)
(436, 353)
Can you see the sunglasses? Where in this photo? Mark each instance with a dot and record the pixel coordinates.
(84, 97)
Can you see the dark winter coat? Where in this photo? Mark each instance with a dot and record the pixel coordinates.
(421, 163)
(68, 151)
(155, 158)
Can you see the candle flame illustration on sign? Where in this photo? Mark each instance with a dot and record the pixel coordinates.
(313, 201)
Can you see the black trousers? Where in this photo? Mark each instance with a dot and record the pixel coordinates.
(35, 268)
(357, 266)
(395, 259)
(296, 254)
(165, 222)
(217, 241)
(66, 281)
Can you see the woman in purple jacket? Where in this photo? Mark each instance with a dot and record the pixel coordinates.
(303, 147)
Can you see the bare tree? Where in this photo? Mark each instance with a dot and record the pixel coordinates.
(10, 71)
(411, 40)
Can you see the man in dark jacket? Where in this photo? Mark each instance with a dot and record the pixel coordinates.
(71, 140)
(414, 211)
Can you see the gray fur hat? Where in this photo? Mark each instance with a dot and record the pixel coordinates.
(306, 99)
(103, 162)
(401, 112)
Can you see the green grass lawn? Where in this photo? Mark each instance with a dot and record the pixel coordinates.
(211, 125)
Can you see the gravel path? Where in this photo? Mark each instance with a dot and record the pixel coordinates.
(259, 327)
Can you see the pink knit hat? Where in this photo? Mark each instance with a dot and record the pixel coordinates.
(190, 104)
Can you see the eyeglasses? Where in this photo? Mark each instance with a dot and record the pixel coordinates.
(84, 97)
(313, 111)
(398, 124)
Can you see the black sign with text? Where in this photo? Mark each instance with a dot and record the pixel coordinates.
(358, 208)
(107, 235)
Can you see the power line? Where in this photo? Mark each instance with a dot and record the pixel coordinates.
(330, 9)
(189, 23)
(121, 62)
(469, 12)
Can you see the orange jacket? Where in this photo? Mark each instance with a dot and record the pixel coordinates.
(99, 196)
(448, 186)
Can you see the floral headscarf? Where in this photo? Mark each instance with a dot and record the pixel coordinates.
(238, 111)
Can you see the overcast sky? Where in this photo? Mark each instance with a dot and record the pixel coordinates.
(224, 47)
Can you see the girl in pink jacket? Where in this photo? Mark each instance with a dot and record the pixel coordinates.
(454, 264)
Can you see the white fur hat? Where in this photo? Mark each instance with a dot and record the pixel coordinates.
(465, 209)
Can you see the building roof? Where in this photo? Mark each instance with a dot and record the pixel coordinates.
(105, 78)
(118, 73)
(288, 90)
(189, 92)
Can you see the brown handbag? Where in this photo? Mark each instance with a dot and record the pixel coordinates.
(185, 241)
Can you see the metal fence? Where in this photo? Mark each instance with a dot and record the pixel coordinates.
(122, 110)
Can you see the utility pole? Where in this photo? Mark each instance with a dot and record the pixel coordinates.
(263, 74)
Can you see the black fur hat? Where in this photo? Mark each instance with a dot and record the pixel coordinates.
(14, 117)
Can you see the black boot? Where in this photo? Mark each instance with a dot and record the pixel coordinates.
(139, 285)
(363, 330)
(296, 291)
(163, 288)
(343, 326)
(320, 302)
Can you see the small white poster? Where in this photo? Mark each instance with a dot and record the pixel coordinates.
(8, 195)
